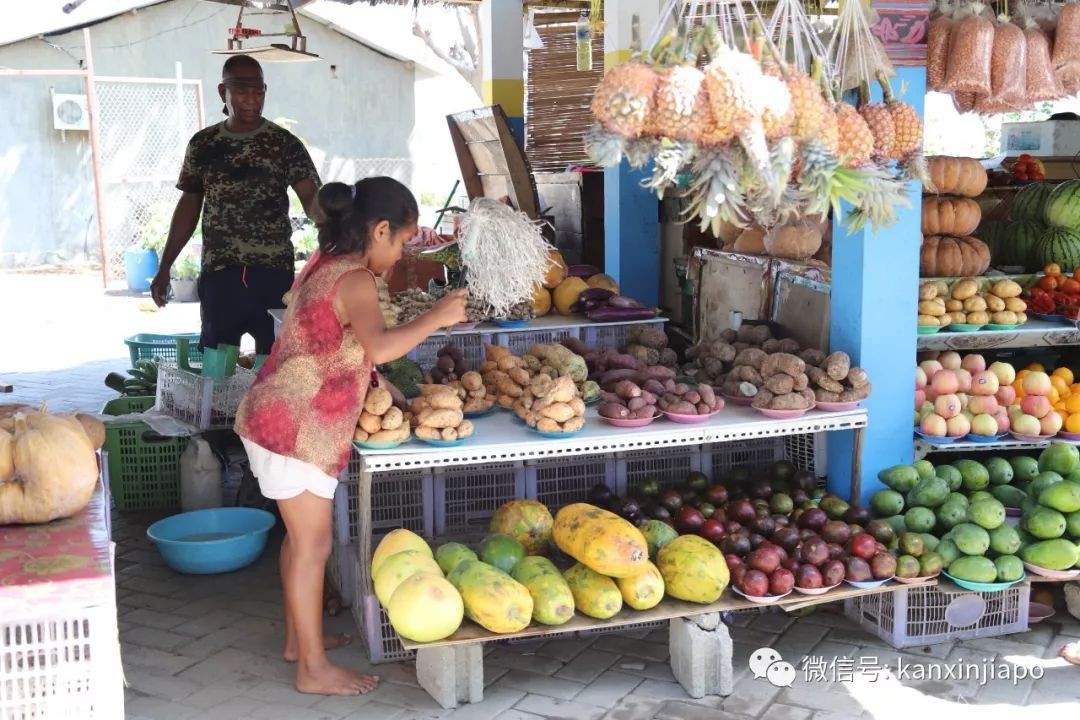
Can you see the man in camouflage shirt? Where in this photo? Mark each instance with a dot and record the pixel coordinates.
(236, 175)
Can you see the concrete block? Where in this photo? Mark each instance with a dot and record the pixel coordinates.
(701, 659)
(452, 674)
(708, 621)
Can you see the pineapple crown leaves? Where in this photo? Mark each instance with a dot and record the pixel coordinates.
(884, 193)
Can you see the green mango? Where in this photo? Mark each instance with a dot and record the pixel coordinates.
(971, 539)
(976, 476)
(657, 535)
(1001, 472)
(952, 514)
(920, 519)
(1063, 497)
(1025, 468)
(1072, 524)
(1059, 554)
(898, 524)
(958, 497)
(501, 551)
(1060, 457)
(887, 502)
(925, 468)
(1009, 495)
(974, 568)
(931, 563)
(987, 514)
(948, 551)
(1043, 481)
(1009, 568)
(1005, 540)
(950, 475)
(928, 493)
(1045, 523)
(980, 495)
(901, 478)
(930, 542)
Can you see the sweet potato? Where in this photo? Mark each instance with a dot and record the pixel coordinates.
(812, 357)
(693, 397)
(858, 377)
(441, 418)
(488, 366)
(790, 401)
(519, 376)
(754, 357)
(393, 419)
(658, 372)
(573, 424)
(494, 353)
(378, 400)
(707, 394)
(548, 425)
(703, 409)
(429, 433)
(505, 402)
(822, 380)
(644, 413)
(801, 382)
(763, 398)
(613, 410)
(771, 345)
(575, 346)
(681, 407)
(559, 412)
(653, 386)
(610, 397)
(790, 346)
(837, 365)
(648, 397)
(669, 385)
(856, 394)
(449, 433)
(506, 363)
(611, 377)
(465, 429)
(564, 390)
(627, 389)
(370, 423)
(472, 381)
(822, 395)
(636, 404)
(779, 384)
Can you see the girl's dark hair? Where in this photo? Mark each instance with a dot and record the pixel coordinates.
(352, 210)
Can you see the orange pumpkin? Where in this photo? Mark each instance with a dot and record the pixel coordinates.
(950, 216)
(943, 256)
(956, 176)
(798, 241)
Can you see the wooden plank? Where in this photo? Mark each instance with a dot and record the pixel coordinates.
(473, 186)
(488, 157)
(669, 609)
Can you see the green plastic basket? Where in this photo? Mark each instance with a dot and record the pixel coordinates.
(147, 346)
(144, 467)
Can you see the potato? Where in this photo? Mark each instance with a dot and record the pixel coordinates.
(393, 419)
(1005, 317)
(994, 303)
(465, 429)
(370, 423)
(378, 400)
(1016, 305)
(399, 434)
(932, 307)
(928, 320)
(360, 435)
(802, 381)
(858, 377)
(445, 401)
(559, 412)
(428, 433)
(952, 305)
(791, 401)
(441, 418)
(1007, 289)
(763, 398)
(974, 304)
(821, 379)
(450, 433)
(956, 317)
(978, 318)
(927, 291)
(1021, 317)
(505, 402)
(825, 396)
(472, 381)
(431, 390)
(963, 289)
(574, 424)
(944, 320)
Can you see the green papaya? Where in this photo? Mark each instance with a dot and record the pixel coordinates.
(449, 555)
(553, 603)
(501, 551)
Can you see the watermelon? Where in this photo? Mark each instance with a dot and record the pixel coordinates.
(1059, 245)
(1030, 202)
(1020, 238)
(1063, 205)
(993, 233)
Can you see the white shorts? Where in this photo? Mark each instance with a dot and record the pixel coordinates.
(281, 477)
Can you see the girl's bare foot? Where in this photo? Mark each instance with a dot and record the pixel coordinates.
(328, 679)
(1071, 652)
(330, 642)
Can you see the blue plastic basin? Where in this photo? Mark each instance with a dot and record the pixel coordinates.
(206, 542)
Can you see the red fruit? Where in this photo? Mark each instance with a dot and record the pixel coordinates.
(764, 559)
(863, 546)
(742, 511)
(832, 573)
(835, 551)
(883, 565)
(791, 564)
(781, 581)
(737, 573)
(689, 520)
(733, 561)
(814, 551)
(808, 577)
(716, 494)
(755, 583)
(813, 519)
(712, 530)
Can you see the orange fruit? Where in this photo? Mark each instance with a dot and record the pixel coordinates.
(1024, 373)
(1060, 384)
(1054, 396)
(1072, 423)
(1060, 407)
(1072, 404)
(1064, 373)
(1048, 283)
(1036, 367)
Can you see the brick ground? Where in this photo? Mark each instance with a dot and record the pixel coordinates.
(209, 647)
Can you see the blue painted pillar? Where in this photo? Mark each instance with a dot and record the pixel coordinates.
(875, 279)
(631, 213)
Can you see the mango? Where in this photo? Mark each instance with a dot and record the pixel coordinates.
(553, 602)
(1005, 540)
(1060, 457)
(1042, 481)
(1001, 472)
(929, 493)
(1045, 523)
(601, 540)
(952, 514)
(595, 595)
(976, 477)
(971, 539)
(974, 568)
(948, 552)
(919, 519)
(950, 475)
(1072, 524)
(1009, 568)
(1010, 496)
(657, 534)
(1063, 497)
(492, 599)
(925, 468)
(1025, 468)
(693, 569)
(901, 478)
(988, 514)
(501, 551)
(642, 591)
(1059, 554)
(887, 502)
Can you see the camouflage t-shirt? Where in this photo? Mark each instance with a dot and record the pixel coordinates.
(244, 180)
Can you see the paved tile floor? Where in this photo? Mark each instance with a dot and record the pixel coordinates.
(209, 647)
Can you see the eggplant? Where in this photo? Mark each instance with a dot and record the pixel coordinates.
(620, 314)
(582, 271)
(595, 294)
(621, 301)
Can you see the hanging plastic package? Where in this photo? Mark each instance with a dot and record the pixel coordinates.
(200, 477)
(1040, 85)
(1066, 57)
(937, 47)
(1008, 74)
(971, 46)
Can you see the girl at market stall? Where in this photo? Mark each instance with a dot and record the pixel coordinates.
(298, 419)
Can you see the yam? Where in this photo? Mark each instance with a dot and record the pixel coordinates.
(450, 433)
(721, 351)
(856, 394)
(378, 400)
(669, 358)
(574, 424)
(812, 357)
(703, 409)
(681, 407)
(370, 423)
(575, 345)
(771, 346)
(789, 346)
(559, 412)
(790, 364)
(754, 334)
(472, 381)
(441, 418)
(445, 401)
(821, 379)
(762, 399)
(791, 401)
(754, 357)
(780, 384)
(837, 365)
(693, 397)
(465, 429)
(801, 382)
(822, 395)
(393, 419)
(614, 411)
(708, 395)
(857, 377)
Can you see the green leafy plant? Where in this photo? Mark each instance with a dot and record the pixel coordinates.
(305, 241)
(187, 268)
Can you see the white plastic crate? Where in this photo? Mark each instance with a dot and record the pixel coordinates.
(62, 666)
(612, 336)
(808, 452)
(207, 403)
(344, 571)
(716, 459)
(466, 497)
(472, 345)
(560, 481)
(923, 615)
(520, 342)
(382, 642)
(666, 465)
(399, 499)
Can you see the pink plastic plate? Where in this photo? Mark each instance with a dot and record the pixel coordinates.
(1037, 612)
(1031, 438)
(815, 591)
(836, 406)
(915, 580)
(761, 599)
(629, 422)
(743, 401)
(688, 419)
(783, 414)
(1075, 437)
(1052, 574)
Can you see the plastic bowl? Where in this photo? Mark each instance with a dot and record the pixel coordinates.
(836, 406)
(1037, 612)
(1052, 574)
(915, 580)
(783, 414)
(380, 445)
(964, 327)
(761, 599)
(929, 329)
(864, 585)
(683, 419)
(481, 413)
(935, 439)
(556, 435)
(207, 542)
(443, 443)
(1030, 438)
(981, 587)
(984, 438)
(630, 422)
(512, 323)
(816, 591)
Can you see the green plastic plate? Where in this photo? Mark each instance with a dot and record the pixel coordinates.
(964, 327)
(982, 587)
(928, 329)
(1001, 328)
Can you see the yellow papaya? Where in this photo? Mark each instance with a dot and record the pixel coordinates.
(492, 599)
(693, 569)
(644, 590)
(394, 542)
(600, 540)
(553, 603)
(595, 595)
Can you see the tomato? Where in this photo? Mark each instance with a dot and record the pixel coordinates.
(1070, 286)
(1048, 282)
(1025, 158)
(1076, 273)
(1052, 269)
(1022, 176)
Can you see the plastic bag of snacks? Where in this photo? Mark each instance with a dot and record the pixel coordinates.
(964, 102)
(1040, 85)
(1008, 70)
(971, 46)
(1066, 56)
(937, 46)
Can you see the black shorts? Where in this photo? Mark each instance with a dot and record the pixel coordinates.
(235, 301)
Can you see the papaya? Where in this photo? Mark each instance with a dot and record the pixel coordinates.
(556, 272)
(394, 542)
(595, 595)
(600, 540)
(425, 608)
(492, 599)
(642, 591)
(604, 282)
(1059, 554)
(449, 555)
(693, 569)
(553, 603)
(501, 551)
(1063, 497)
(541, 301)
(399, 567)
(567, 293)
(527, 521)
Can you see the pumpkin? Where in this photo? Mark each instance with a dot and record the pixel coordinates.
(956, 176)
(603, 282)
(541, 301)
(53, 470)
(954, 216)
(751, 241)
(943, 256)
(556, 271)
(798, 241)
(567, 294)
(94, 429)
(729, 233)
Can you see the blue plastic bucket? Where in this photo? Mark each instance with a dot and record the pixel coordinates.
(140, 266)
(218, 540)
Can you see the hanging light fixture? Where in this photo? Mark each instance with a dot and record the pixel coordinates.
(239, 34)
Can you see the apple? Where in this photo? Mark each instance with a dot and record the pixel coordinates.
(934, 425)
(984, 383)
(920, 378)
(947, 406)
(1003, 421)
(1005, 372)
(920, 399)
(950, 360)
(984, 425)
(1051, 423)
(945, 382)
(983, 404)
(1036, 405)
(931, 393)
(931, 368)
(974, 363)
(1037, 383)
(1027, 425)
(963, 377)
(957, 426)
(1006, 395)
(964, 400)
(926, 409)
